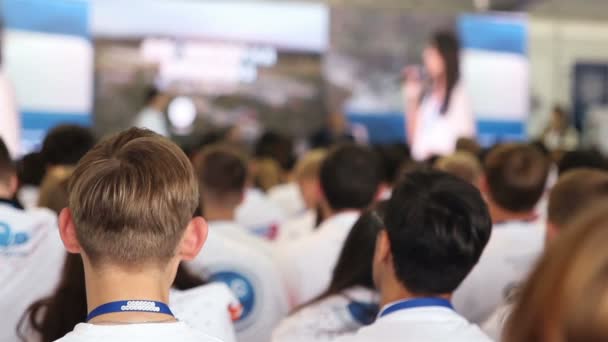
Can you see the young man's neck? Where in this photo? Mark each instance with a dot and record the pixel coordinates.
(5, 193)
(110, 284)
(396, 292)
(500, 215)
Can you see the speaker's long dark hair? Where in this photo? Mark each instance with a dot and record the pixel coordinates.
(55, 316)
(448, 46)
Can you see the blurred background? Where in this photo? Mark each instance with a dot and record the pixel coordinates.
(297, 67)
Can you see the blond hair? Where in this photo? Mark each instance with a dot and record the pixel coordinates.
(54, 193)
(461, 164)
(309, 166)
(566, 297)
(132, 197)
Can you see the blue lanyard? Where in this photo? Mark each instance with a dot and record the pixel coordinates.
(130, 306)
(416, 303)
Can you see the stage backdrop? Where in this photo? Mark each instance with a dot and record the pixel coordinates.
(369, 48)
(48, 57)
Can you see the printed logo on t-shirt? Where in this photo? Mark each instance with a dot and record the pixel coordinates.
(242, 288)
(7, 238)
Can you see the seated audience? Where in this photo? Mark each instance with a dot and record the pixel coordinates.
(307, 181)
(591, 159)
(513, 183)
(31, 252)
(575, 192)
(436, 227)
(463, 165)
(351, 301)
(563, 300)
(350, 181)
(30, 171)
(233, 256)
(130, 219)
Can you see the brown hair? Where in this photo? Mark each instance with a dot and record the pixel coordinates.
(516, 175)
(575, 191)
(132, 197)
(6, 164)
(565, 299)
(222, 174)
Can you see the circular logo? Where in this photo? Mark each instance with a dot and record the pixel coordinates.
(242, 288)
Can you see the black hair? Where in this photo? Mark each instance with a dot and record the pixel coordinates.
(31, 169)
(55, 316)
(392, 157)
(448, 46)
(589, 159)
(350, 177)
(438, 226)
(151, 93)
(276, 146)
(6, 163)
(66, 144)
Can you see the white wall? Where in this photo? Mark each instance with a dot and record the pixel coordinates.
(555, 46)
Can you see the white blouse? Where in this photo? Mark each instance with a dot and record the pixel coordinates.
(436, 133)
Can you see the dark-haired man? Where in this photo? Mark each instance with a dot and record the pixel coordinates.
(513, 183)
(437, 226)
(350, 181)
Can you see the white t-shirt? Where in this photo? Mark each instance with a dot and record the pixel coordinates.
(512, 251)
(429, 324)
(245, 264)
(288, 197)
(436, 133)
(259, 215)
(145, 332)
(307, 264)
(297, 227)
(211, 309)
(330, 318)
(31, 260)
(153, 120)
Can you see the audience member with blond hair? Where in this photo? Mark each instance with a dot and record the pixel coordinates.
(564, 298)
(463, 165)
(306, 176)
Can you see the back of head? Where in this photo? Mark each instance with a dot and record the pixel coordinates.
(438, 226)
(6, 164)
(589, 159)
(222, 174)
(54, 193)
(565, 297)
(468, 145)
(576, 191)
(132, 197)
(515, 176)
(66, 144)
(31, 169)
(309, 166)
(392, 158)
(350, 177)
(461, 164)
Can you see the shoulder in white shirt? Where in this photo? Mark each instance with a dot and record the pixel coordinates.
(509, 256)
(288, 197)
(297, 227)
(245, 264)
(329, 318)
(146, 332)
(259, 215)
(210, 309)
(307, 264)
(432, 324)
(494, 326)
(31, 259)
